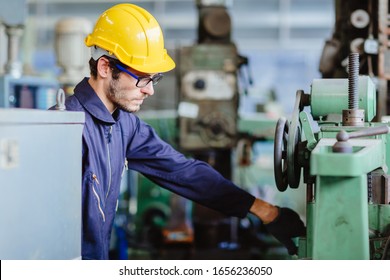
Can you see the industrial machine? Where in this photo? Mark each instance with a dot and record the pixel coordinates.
(343, 156)
(209, 97)
(208, 83)
(16, 89)
(71, 53)
(207, 78)
(361, 27)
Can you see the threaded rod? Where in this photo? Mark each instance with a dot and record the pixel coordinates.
(353, 79)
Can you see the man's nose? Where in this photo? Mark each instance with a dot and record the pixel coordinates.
(148, 89)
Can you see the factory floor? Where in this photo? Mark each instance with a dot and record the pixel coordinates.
(207, 247)
(224, 254)
(193, 253)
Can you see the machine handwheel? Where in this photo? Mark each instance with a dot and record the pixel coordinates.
(280, 154)
(294, 138)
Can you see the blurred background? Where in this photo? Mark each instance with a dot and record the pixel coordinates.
(239, 65)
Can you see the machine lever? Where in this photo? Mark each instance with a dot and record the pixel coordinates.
(376, 130)
(342, 146)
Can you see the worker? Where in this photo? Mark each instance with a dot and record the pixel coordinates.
(127, 61)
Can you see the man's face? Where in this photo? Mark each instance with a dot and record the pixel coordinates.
(124, 93)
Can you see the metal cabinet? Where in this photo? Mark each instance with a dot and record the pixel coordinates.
(40, 184)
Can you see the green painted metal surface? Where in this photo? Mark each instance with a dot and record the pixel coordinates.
(151, 198)
(367, 156)
(341, 209)
(341, 218)
(308, 130)
(379, 217)
(341, 222)
(164, 122)
(257, 125)
(310, 229)
(384, 218)
(330, 96)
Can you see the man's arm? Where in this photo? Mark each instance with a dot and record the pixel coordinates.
(265, 211)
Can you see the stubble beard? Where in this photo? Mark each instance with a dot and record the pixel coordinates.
(115, 95)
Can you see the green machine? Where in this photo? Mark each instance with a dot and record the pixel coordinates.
(344, 157)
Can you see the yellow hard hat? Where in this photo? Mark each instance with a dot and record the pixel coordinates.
(134, 36)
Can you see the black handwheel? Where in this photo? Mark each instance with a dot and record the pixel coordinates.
(280, 154)
(294, 138)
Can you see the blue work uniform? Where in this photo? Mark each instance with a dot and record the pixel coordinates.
(109, 140)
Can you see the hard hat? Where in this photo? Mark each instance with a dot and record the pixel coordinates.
(134, 36)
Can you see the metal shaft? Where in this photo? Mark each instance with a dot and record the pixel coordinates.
(353, 79)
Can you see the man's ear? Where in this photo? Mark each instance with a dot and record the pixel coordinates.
(103, 67)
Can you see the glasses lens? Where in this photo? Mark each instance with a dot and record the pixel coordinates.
(144, 81)
(156, 78)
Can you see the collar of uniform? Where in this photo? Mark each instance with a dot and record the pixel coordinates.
(92, 103)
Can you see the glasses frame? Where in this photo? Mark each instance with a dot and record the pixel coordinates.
(155, 79)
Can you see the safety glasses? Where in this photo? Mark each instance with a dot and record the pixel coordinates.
(142, 81)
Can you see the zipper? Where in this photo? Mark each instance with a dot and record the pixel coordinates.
(125, 167)
(109, 161)
(97, 197)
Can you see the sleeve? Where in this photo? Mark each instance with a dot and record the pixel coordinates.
(193, 179)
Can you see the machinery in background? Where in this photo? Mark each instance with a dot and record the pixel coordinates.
(27, 92)
(14, 27)
(18, 90)
(344, 158)
(207, 78)
(361, 27)
(208, 86)
(71, 52)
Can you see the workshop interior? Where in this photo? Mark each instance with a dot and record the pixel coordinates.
(289, 99)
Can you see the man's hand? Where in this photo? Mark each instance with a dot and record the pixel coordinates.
(286, 226)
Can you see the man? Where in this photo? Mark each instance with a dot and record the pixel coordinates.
(128, 57)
